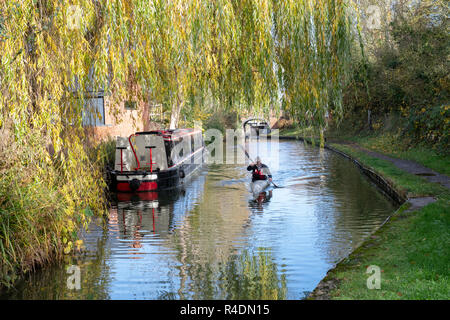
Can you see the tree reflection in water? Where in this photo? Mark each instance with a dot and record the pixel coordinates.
(51, 283)
(245, 276)
(252, 276)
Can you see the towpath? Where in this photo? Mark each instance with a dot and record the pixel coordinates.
(405, 165)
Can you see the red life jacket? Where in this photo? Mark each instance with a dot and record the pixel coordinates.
(257, 174)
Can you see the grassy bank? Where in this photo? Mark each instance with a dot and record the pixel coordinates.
(411, 249)
(396, 145)
(406, 183)
(296, 131)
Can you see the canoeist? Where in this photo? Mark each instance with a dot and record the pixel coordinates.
(259, 171)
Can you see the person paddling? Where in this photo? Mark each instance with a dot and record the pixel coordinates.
(259, 171)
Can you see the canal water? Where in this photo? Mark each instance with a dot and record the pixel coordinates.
(212, 240)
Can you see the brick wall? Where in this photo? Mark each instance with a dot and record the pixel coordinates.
(128, 122)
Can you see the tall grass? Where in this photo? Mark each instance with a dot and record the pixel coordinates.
(42, 206)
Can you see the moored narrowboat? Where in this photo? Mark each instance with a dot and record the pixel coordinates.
(157, 160)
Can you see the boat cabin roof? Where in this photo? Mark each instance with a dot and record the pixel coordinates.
(172, 134)
(255, 122)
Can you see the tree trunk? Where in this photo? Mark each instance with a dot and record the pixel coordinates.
(369, 119)
(176, 109)
(322, 138)
(175, 115)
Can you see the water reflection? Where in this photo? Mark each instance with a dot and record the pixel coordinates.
(261, 201)
(211, 240)
(259, 277)
(51, 283)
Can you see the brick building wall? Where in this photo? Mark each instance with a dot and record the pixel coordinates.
(130, 120)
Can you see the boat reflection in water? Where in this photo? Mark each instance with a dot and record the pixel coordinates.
(136, 214)
(261, 200)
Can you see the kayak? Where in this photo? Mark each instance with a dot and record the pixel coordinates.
(258, 186)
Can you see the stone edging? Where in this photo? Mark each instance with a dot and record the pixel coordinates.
(384, 185)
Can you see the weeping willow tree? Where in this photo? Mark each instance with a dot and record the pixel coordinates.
(244, 55)
(222, 50)
(52, 54)
(313, 45)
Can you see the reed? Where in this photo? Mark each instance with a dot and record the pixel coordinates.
(41, 207)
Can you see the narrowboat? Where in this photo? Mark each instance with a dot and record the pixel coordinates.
(256, 127)
(157, 160)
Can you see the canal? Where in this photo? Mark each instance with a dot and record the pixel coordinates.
(213, 241)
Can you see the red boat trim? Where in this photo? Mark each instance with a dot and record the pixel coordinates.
(145, 186)
(132, 148)
(146, 196)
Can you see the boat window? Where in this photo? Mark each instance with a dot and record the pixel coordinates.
(168, 146)
(181, 149)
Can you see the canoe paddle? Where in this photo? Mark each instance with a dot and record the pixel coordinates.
(248, 156)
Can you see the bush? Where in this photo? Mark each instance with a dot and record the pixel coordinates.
(431, 125)
(43, 202)
(221, 120)
(406, 74)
